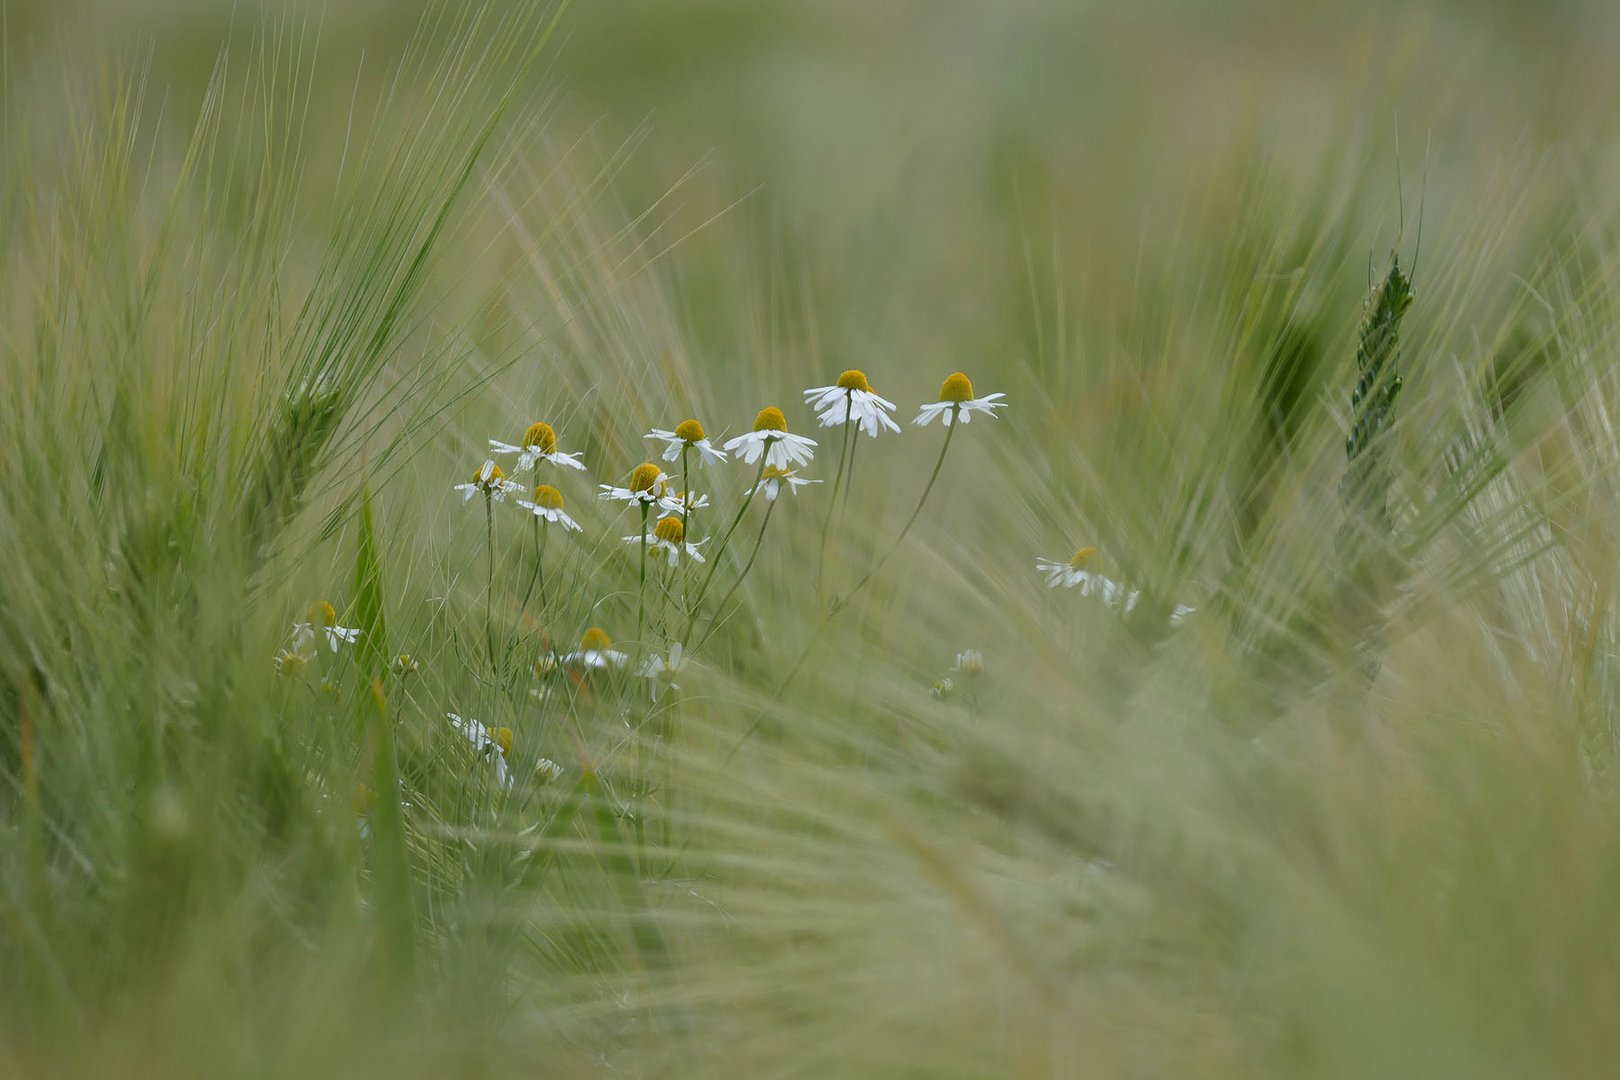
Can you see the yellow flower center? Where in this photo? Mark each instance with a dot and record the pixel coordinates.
(645, 477)
(495, 476)
(502, 737)
(1082, 557)
(540, 435)
(670, 530)
(690, 430)
(290, 663)
(322, 614)
(772, 472)
(854, 380)
(548, 498)
(770, 418)
(596, 640)
(956, 388)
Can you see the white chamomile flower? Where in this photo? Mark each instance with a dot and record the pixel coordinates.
(546, 771)
(957, 403)
(489, 482)
(660, 671)
(595, 651)
(323, 620)
(548, 507)
(770, 437)
(687, 434)
(1068, 574)
(494, 743)
(1073, 574)
(774, 480)
(668, 538)
(851, 400)
(647, 486)
(405, 664)
(539, 444)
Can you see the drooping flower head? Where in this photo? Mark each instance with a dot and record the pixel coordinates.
(851, 400)
(539, 443)
(770, 436)
(956, 402)
(688, 434)
(548, 507)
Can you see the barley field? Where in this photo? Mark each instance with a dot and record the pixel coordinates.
(809, 538)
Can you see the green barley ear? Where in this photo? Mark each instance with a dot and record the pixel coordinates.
(1372, 402)
(1365, 577)
(307, 418)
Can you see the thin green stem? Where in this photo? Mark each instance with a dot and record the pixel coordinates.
(534, 577)
(686, 514)
(641, 585)
(849, 471)
(540, 563)
(939, 463)
(832, 503)
(489, 591)
(714, 620)
(832, 612)
(714, 557)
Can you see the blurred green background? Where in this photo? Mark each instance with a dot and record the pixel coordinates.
(889, 162)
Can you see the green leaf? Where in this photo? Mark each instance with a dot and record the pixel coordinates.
(391, 869)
